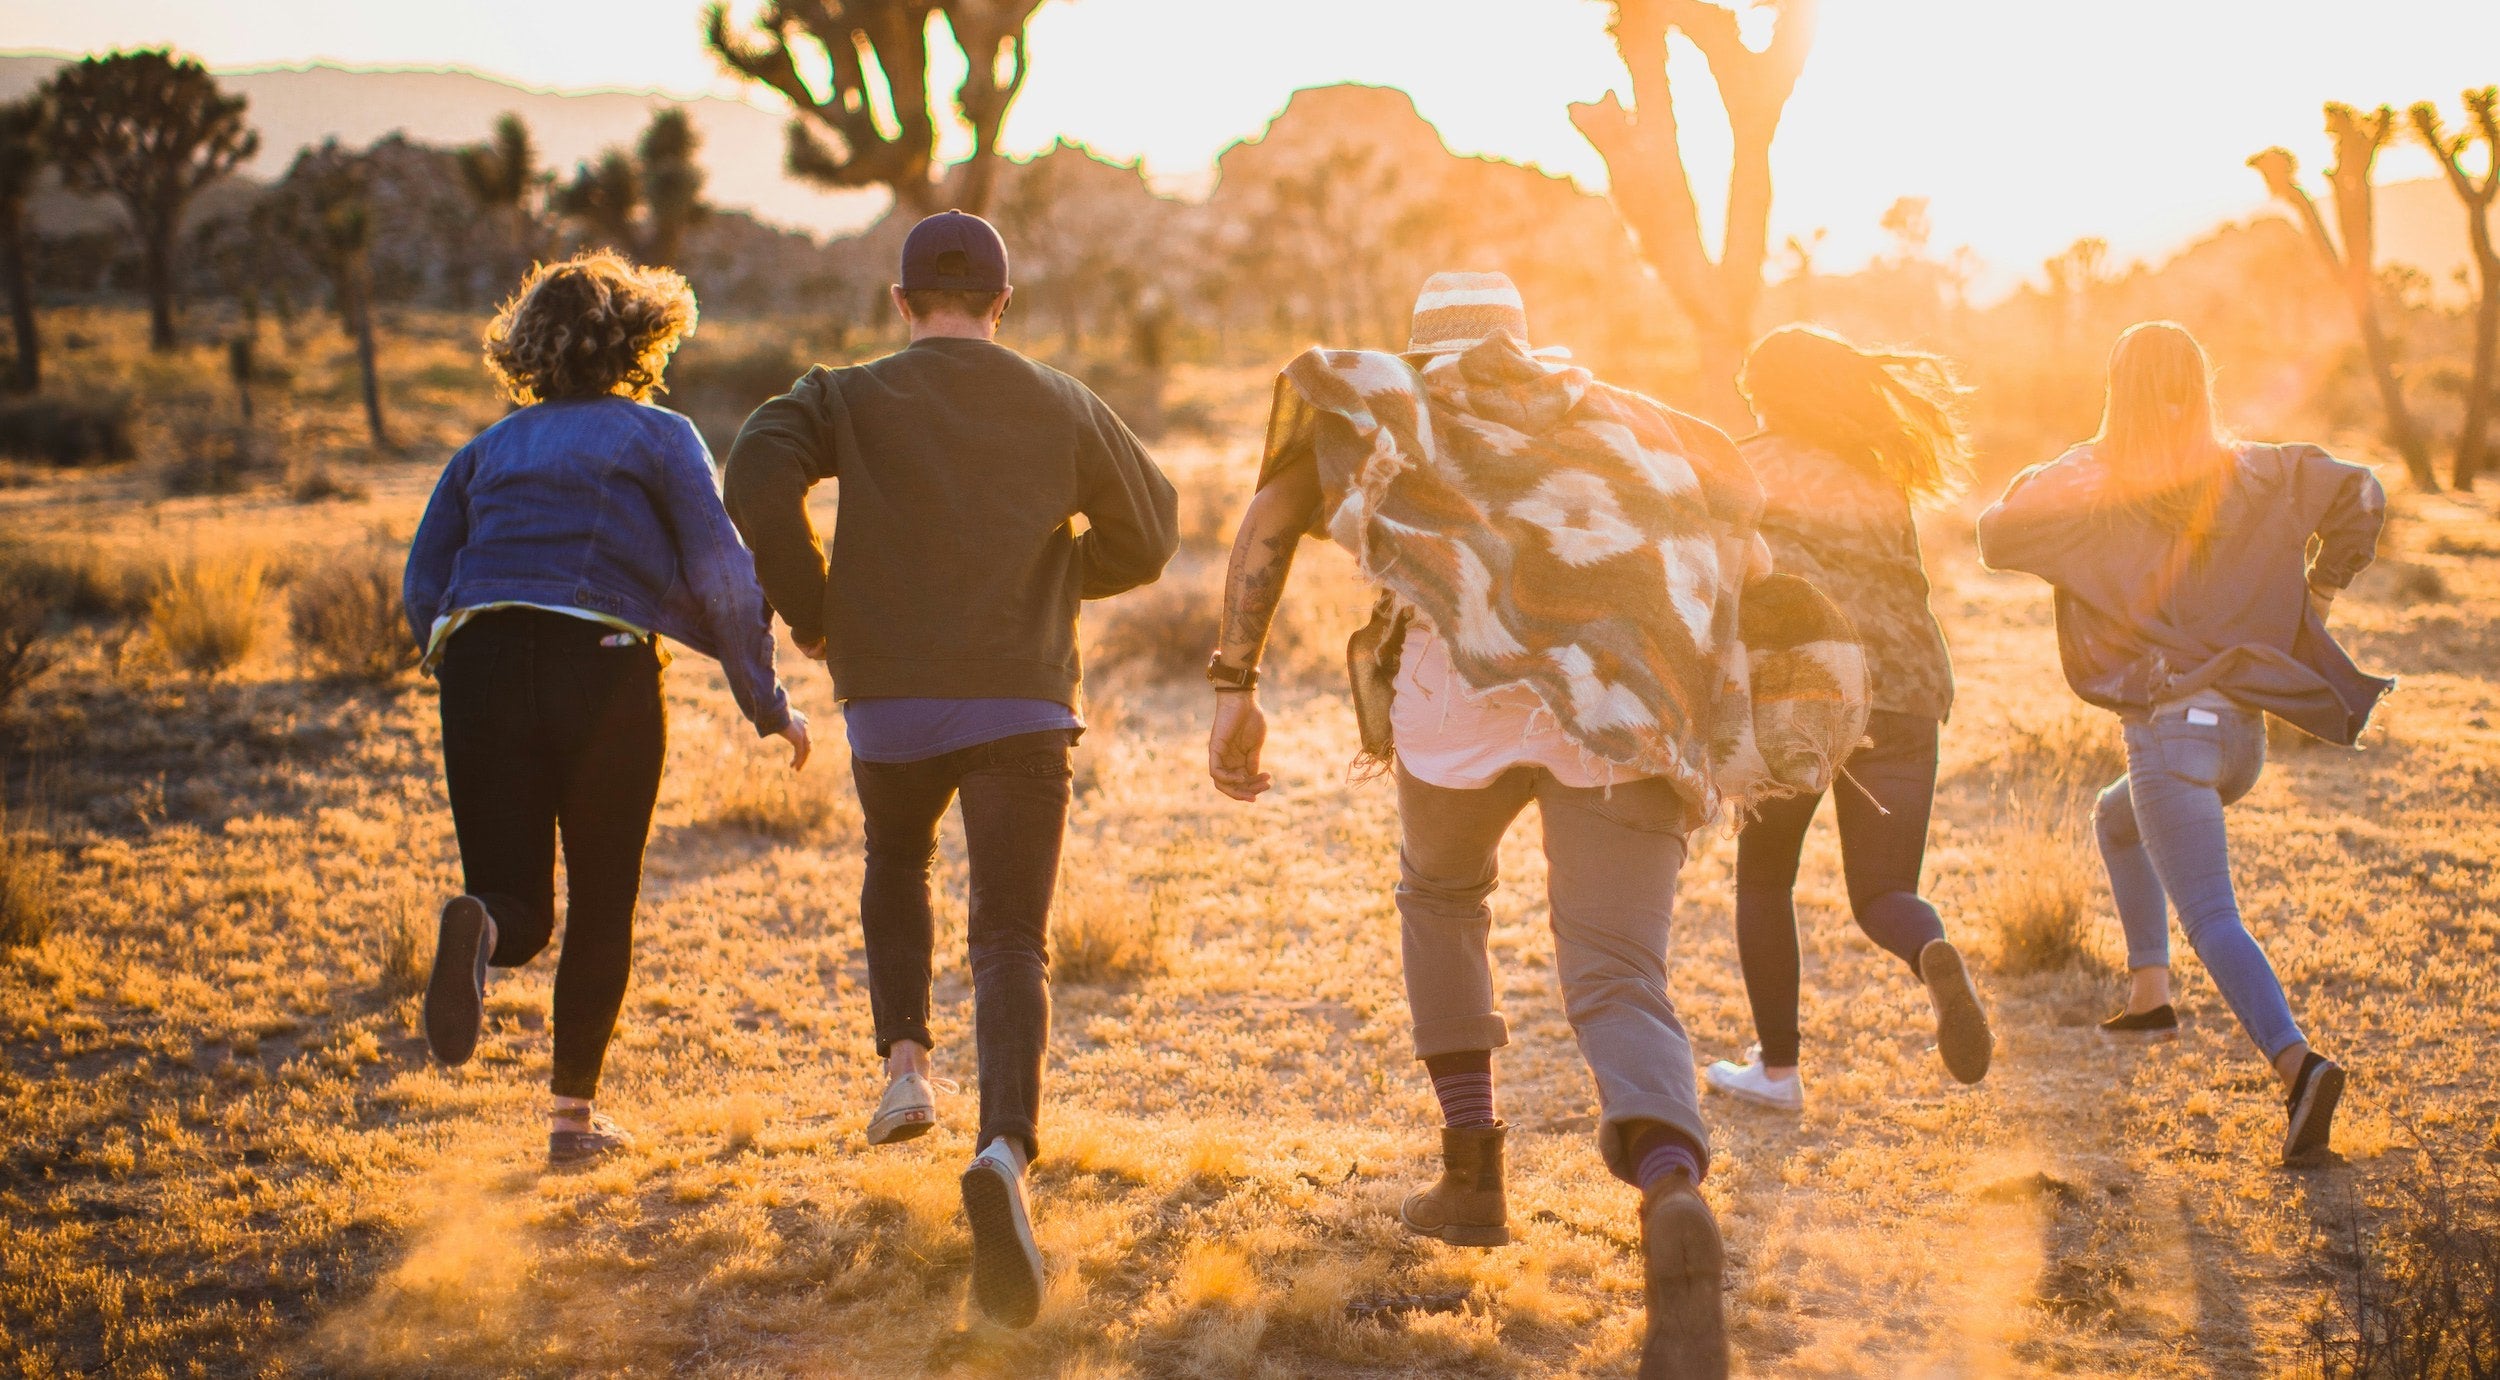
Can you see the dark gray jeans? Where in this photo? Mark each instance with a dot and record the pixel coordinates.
(1611, 861)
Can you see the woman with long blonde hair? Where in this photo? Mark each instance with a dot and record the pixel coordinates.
(1851, 439)
(2190, 603)
(559, 546)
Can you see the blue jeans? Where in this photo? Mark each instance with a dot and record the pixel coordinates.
(2162, 838)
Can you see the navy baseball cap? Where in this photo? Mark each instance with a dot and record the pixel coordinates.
(954, 251)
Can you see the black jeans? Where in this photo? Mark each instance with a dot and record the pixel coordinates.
(546, 730)
(1015, 807)
(1882, 804)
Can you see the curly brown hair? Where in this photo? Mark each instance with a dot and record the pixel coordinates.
(592, 325)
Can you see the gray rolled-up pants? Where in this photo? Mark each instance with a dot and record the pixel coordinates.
(1611, 858)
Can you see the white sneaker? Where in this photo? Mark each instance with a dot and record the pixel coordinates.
(1748, 1081)
(1006, 1265)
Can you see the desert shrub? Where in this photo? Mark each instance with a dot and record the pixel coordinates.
(2039, 893)
(27, 647)
(1164, 632)
(31, 890)
(749, 786)
(2419, 1299)
(80, 582)
(346, 621)
(2075, 752)
(1104, 930)
(211, 459)
(67, 432)
(403, 951)
(206, 615)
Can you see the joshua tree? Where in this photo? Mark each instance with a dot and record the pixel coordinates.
(892, 34)
(2358, 138)
(502, 174)
(641, 203)
(1651, 188)
(25, 129)
(152, 130)
(325, 207)
(2482, 115)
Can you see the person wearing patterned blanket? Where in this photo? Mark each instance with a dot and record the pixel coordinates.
(1850, 438)
(1574, 609)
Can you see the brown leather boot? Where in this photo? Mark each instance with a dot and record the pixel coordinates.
(1682, 1260)
(1466, 1208)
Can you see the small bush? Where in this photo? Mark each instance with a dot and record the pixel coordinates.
(404, 951)
(1104, 930)
(66, 432)
(749, 786)
(2039, 894)
(2420, 1299)
(31, 890)
(2076, 752)
(207, 615)
(26, 642)
(1162, 632)
(81, 582)
(212, 460)
(346, 620)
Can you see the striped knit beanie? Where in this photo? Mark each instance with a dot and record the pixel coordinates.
(1457, 311)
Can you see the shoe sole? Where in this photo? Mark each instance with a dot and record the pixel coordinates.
(454, 1008)
(1684, 1264)
(1006, 1265)
(2313, 1117)
(1457, 1233)
(888, 1131)
(1963, 1039)
(1756, 1099)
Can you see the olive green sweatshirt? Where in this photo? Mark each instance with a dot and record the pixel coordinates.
(955, 571)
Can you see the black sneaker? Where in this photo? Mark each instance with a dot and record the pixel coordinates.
(455, 994)
(1006, 1265)
(598, 1138)
(2310, 1107)
(2142, 1027)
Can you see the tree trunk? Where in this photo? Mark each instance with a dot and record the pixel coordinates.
(367, 362)
(27, 375)
(157, 254)
(2474, 444)
(2401, 433)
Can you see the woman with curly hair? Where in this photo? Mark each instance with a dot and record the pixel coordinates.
(1851, 439)
(560, 545)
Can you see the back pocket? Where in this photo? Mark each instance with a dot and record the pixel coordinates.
(2189, 751)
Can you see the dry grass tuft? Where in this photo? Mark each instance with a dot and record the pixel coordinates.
(1213, 1276)
(31, 886)
(2039, 897)
(752, 788)
(403, 951)
(346, 621)
(2076, 751)
(1105, 930)
(26, 643)
(207, 615)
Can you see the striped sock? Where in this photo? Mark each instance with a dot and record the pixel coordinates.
(1660, 1152)
(1464, 1084)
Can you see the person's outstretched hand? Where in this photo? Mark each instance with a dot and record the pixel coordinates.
(795, 734)
(1233, 746)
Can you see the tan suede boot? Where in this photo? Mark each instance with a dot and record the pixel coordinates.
(1466, 1208)
(1683, 1261)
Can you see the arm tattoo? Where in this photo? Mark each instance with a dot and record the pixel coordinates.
(1253, 588)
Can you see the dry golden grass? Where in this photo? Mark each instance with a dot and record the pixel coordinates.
(222, 1150)
(30, 883)
(345, 617)
(206, 616)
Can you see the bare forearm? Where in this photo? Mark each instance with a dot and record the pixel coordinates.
(1254, 585)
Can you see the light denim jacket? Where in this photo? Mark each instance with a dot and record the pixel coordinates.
(607, 505)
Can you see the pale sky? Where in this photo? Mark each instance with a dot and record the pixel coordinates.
(2029, 123)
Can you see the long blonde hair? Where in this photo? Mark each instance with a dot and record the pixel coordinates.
(2164, 452)
(1896, 414)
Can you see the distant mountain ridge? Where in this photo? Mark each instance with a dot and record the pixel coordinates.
(296, 106)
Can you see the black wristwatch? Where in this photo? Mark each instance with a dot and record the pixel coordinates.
(1230, 679)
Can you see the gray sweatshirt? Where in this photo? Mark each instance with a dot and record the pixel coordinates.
(2144, 618)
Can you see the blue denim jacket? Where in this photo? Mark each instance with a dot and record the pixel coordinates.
(607, 505)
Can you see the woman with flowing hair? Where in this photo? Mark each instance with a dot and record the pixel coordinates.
(559, 546)
(1851, 439)
(2193, 574)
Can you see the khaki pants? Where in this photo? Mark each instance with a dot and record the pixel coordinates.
(1611, 862)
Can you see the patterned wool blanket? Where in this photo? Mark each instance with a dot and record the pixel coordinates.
(1589, 544)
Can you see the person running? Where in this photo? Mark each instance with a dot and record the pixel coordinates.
(2190, 603)
(947, 612)
(1560, 565)
(559, 546)
(1850, 440)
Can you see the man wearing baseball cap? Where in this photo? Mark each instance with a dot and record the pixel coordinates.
(946, 608)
